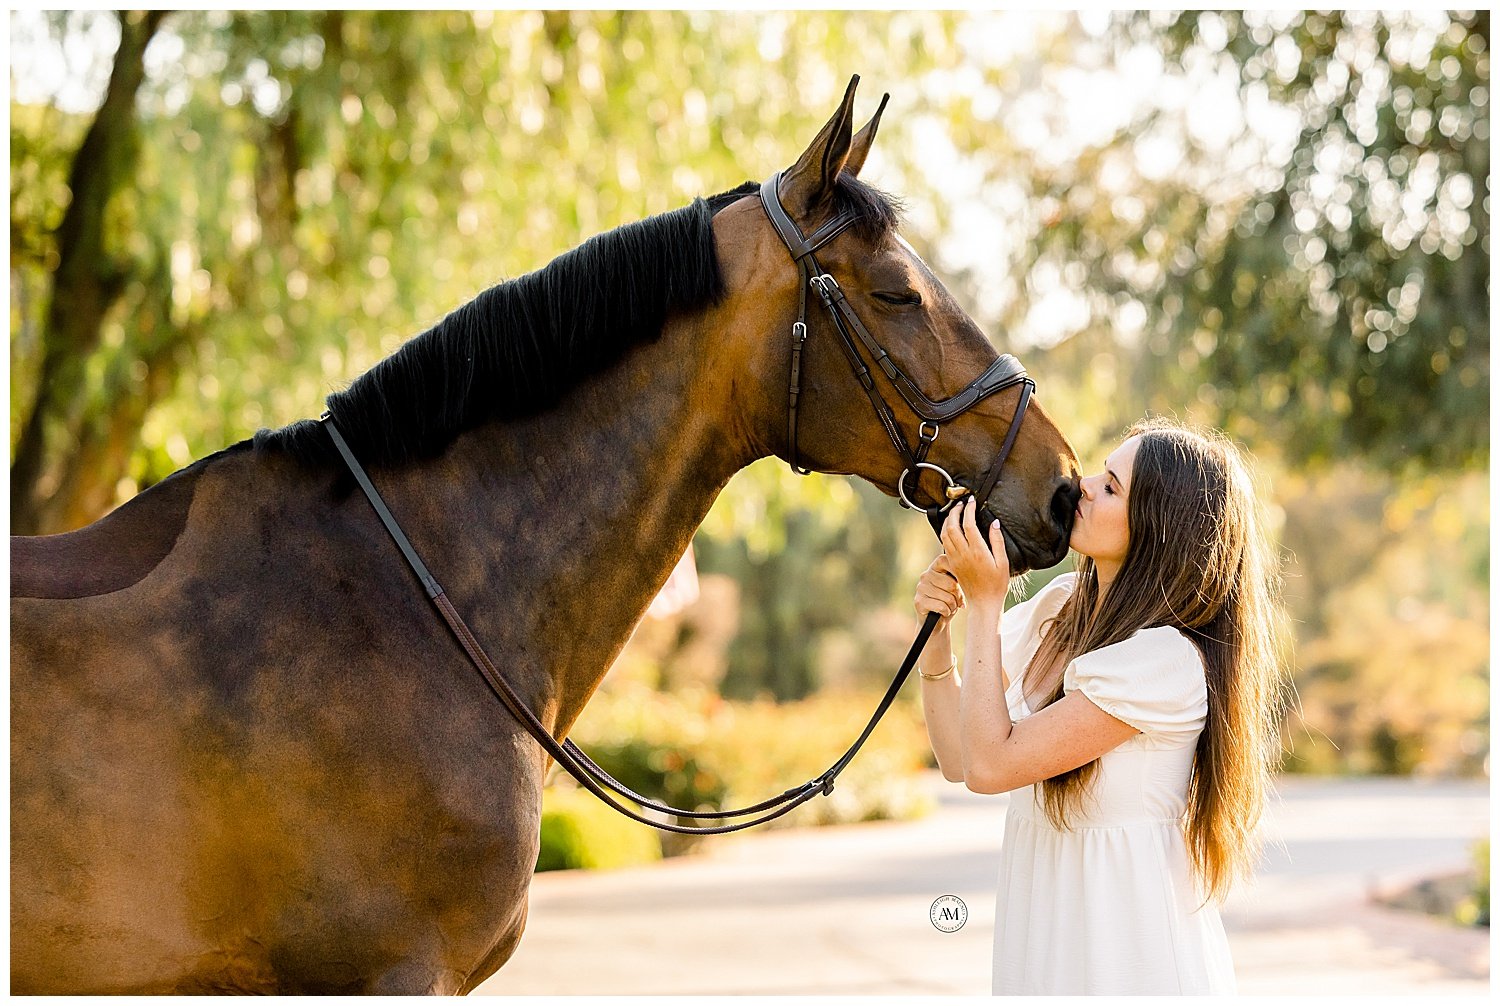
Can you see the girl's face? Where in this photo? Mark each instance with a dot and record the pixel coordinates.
(1101, 529)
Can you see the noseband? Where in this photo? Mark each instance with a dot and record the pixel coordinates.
(1006, 372)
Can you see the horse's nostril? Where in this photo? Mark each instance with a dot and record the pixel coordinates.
(1064, 501)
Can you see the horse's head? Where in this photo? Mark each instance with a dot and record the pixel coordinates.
(887, 299)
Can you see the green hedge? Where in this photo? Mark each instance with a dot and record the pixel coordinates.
(1475, 909)
(581, 833)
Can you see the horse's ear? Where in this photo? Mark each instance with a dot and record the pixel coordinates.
(862, 139)
(808, 185)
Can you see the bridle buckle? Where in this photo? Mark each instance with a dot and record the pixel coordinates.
(826, 286)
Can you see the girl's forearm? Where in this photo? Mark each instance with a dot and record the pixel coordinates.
(984, 719)
(940, 704)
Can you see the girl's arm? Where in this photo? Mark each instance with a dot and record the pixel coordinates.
(940, 705)
(984, 718)
(997, 755)
(937, 591)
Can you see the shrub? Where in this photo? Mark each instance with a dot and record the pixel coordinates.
(581, 833)
(665, 774)
(1404, 593)
(1475, 909)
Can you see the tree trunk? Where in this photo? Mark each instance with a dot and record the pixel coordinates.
(87, 282)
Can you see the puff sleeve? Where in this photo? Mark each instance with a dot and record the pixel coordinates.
(1153, 681)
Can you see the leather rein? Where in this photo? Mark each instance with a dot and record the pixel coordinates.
(1003, 373)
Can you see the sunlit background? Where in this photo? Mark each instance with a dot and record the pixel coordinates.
(1277, 224)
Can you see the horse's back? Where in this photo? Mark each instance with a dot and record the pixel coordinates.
(113, 553)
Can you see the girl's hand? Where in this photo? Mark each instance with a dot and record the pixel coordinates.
(938, 591)
(983, 572)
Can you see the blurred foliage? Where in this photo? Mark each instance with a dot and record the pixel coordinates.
(671, 775)
(88, 280)
(1475, 910)
(1329, 294)
(580, 833)
(1393, 660)
(831, 564)
(1274, 223)
(315, 187)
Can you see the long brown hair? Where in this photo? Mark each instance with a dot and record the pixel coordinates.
(1198, 559)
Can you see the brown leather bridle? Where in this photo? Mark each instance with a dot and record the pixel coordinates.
(1005, 372)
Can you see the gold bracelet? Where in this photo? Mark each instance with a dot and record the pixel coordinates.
(938, 677)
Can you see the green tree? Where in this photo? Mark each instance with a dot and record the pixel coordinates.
(809, 559)
(312, 188)
(88, 276)
(1329, 295)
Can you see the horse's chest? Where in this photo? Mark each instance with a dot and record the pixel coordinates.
(406, 893)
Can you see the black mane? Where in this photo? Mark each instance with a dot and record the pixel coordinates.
(518, 347)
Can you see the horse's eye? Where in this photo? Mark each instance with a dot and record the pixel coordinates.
(910, 298)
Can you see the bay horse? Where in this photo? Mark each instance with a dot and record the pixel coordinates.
(245, 755)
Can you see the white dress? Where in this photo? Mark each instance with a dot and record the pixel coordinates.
(1110, 906)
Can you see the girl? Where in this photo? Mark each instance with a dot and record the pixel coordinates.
(1132, 708)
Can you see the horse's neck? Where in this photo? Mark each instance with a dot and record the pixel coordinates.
(552, 534)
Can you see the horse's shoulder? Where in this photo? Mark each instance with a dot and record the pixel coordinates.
(115, 552)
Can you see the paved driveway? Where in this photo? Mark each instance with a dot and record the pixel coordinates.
(843, 911)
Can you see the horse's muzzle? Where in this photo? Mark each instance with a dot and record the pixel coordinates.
(1013, 553)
